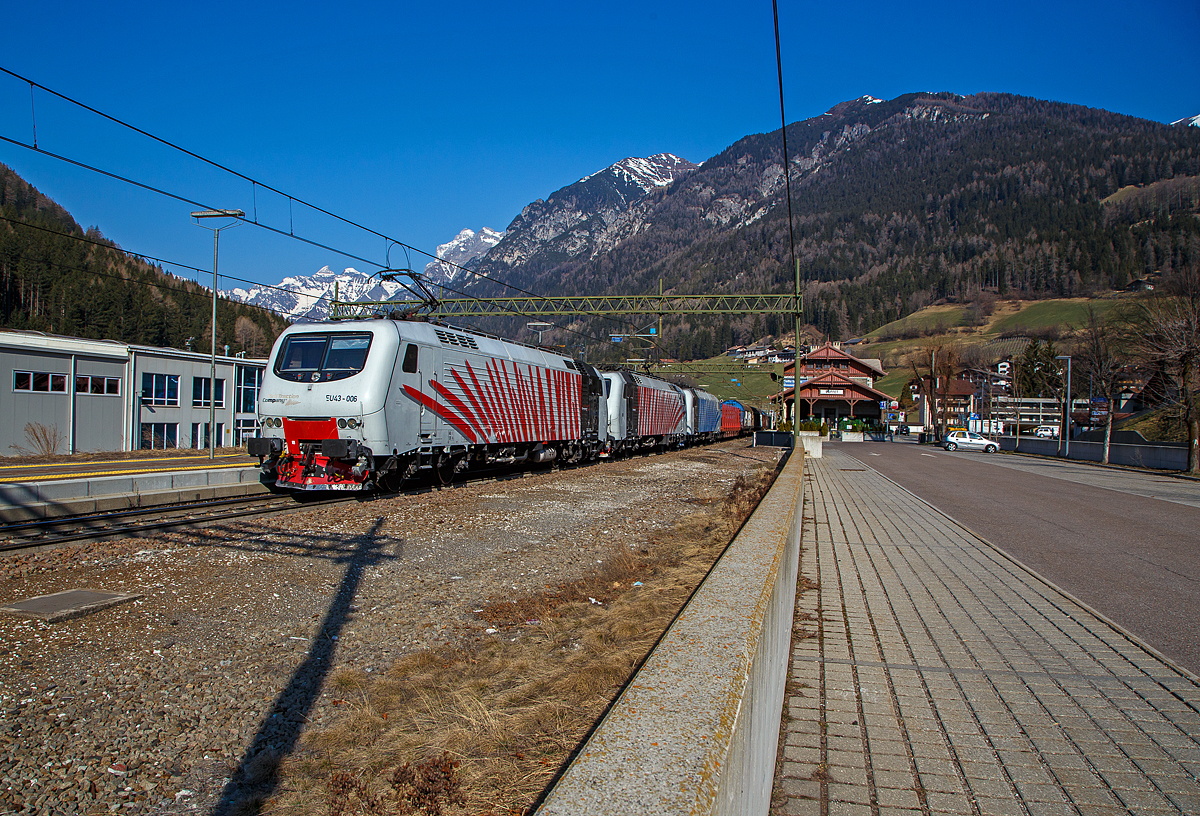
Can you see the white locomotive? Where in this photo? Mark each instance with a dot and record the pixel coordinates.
(354, 405)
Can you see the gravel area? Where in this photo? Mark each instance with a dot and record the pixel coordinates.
(151, 706)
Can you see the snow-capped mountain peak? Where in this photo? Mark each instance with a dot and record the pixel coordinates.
(460, 251)
(309, 297)
(647, 173)
(1188, 121)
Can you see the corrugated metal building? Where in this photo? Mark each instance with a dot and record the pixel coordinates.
(70, 395)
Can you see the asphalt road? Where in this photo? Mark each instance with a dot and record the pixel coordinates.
(1124, 542)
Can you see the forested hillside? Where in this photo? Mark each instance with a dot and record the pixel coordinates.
(901, 203)
(52, 282)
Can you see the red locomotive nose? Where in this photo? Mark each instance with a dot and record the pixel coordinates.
(296, 431)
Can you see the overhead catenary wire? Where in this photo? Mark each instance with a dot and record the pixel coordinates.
(203, 291)
(310, 242)
(269, 228)
(255, 183)
(316, 298)
(685, 368)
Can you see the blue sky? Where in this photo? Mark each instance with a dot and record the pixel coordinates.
(421, 119)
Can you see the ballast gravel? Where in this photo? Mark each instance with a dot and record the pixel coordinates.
(150, 707)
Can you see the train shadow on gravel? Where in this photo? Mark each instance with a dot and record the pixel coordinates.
(257, 774)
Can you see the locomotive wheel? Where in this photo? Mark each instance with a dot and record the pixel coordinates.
(392, 480)
(444, 468)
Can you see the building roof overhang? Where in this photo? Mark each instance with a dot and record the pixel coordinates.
(831, 380)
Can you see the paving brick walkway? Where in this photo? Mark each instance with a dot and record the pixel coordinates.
(931, 674)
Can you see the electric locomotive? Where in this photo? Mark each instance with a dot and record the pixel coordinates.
(643, 413)
(360, 405)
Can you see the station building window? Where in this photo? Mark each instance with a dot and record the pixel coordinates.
(160, 389)
(244, 429)
(102, 386)
(200, 434)
(249, 381)
(160, 435)
(200, 392)
(43, 382)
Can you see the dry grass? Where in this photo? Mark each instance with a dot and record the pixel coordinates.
(44, 440)
(484, 730)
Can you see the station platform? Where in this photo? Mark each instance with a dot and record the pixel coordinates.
(932, 673)
(104, 487)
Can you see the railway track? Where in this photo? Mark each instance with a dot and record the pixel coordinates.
(47, 533)
(42, 534)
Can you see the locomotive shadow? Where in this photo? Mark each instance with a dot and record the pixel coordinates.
(257, 774)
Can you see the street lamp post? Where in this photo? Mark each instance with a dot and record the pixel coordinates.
(1066, 430)
(212, 373)
(538, 327)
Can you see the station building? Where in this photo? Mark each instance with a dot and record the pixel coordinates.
(831, 384)
(71, 395)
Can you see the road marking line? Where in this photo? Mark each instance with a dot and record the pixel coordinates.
(927, 454)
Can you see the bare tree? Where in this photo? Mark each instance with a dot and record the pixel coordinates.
(1168, 325)
(933, 368)
(1102, 357)
(249, 335)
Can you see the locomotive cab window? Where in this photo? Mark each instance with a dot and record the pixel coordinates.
(322, 357)
(410, 359)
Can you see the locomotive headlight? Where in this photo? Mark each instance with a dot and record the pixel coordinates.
(352, 423)
(342, 423)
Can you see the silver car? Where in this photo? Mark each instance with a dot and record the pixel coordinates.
(969, 440)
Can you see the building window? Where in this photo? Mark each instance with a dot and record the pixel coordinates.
(160, 435)
(200, 389)
(42, 382)
(249, 381)
(160, 389)
(102, 386)
(200, 434)
(244, 429)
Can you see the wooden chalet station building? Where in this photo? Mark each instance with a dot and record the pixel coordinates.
(831, 384)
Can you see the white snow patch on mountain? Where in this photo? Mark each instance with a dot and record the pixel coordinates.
(1192, 121)
(309, 297)
(647, 173)
(460, 250)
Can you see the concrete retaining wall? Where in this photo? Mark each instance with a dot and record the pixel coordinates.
(696, 730)
(1149, 456)
(33, 500)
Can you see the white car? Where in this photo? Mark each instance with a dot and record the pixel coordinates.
(1046, 432)
(969, 440)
